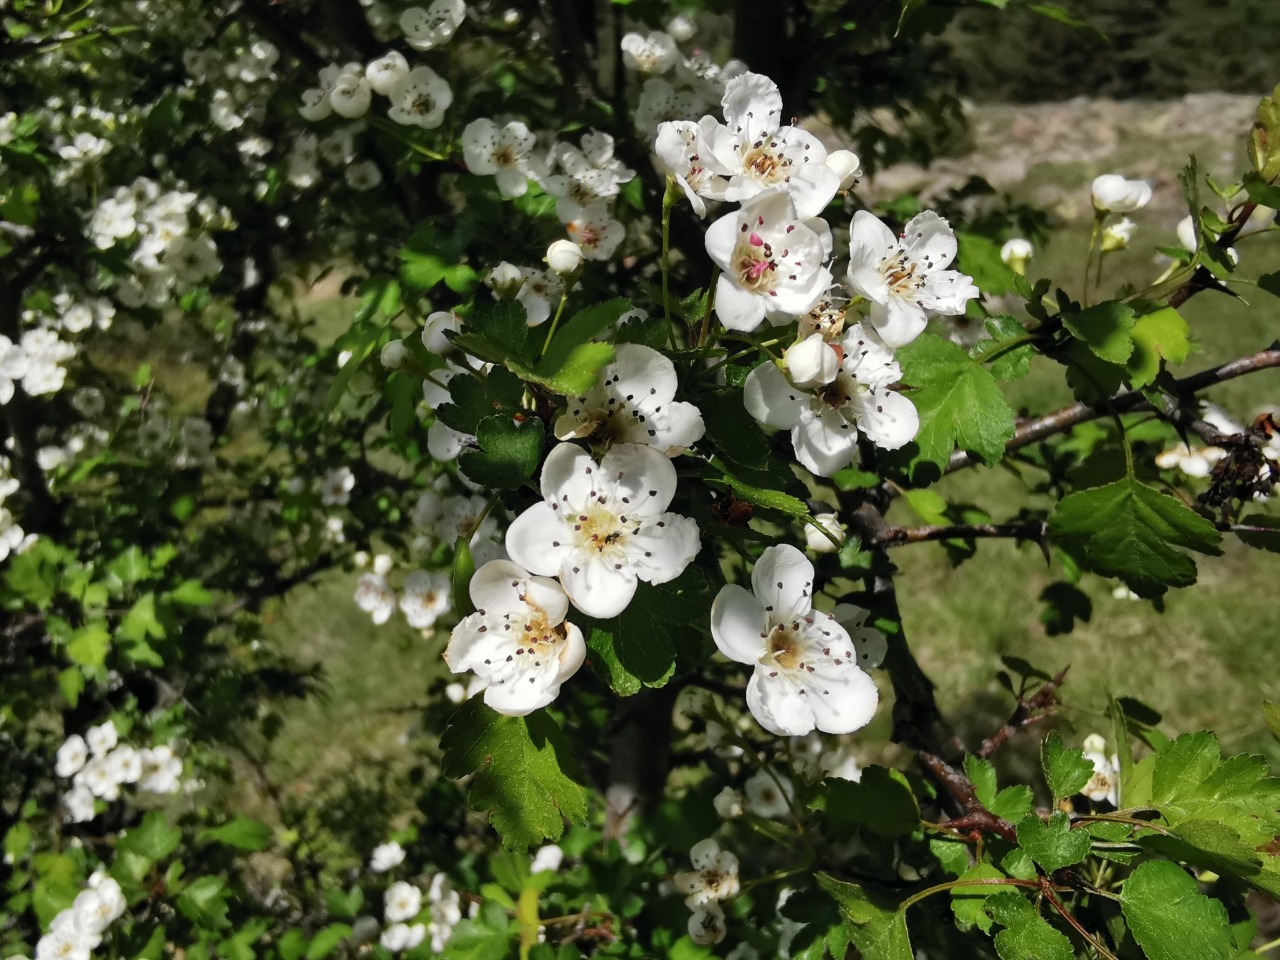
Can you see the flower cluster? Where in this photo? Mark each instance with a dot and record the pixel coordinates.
(12, 537)
(713, 879)
(36, 362)
(403, 909)
(99, 765)
(78, 930)
(424, 597)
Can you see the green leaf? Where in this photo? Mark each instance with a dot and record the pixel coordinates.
(190, 593)
(1026, 934)
(967, 903)
(241, 833)
(878, 930)
(1011, 362)
(71, 682)
(152, 839)
(1159, 336)
(1260, 191)
(881, 801)
(983, 777)
(959, 403)
(585, 325)
(1133, 532)
(1171, 919)
(1105, 329)
(326, 940)
(88, 646)
(1065, 771)
(498, 333)
(1264, 138)
(474, 398)
(1271, 716)
(464, 567)
(1053, 845)
(1013, 803)
(576, 372)
(756, 496)
(421, 271)
(509, 452)
(204, 903)
(525, 776)
(980, 257)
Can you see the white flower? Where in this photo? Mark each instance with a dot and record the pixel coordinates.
(424, 29)
(99, 779)
(517, 642)
(589, 174)
(1016, 252)
(633, 401)
(1114, 194)
(99, 907)
(125, 764)
(393, 354)
(564, 257)
(661, 103)
(375, 597)
(714, 876)
(540, 289)
(806, 674)
(446, 911)
(772, 263)
(765, 799)
(65, 943)
(383, 72)
(904, 276)
(505, 153)
(426, 598)
(547, 858)
(762, 155)
(681, 28)
(824, 423)
(161, 770)
(400, 936)
(386, 856)
(335, 490)
(102, 738)
(77, 805)
(71, 756)
(1116, 236)
(683, 149)
(1194, 462)
(655, 53)
(728, 803)
(437, 326)
(402, 901)
(596, 233)
(706, 925)
(840, 764)
(602, 527)
(505, 280)
(845, 165)
(351, 96)
(14, 365)
(420, 98)
(811, 362)
(1105, 782)
(819, 542)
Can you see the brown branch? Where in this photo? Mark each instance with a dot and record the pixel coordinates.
(1028, 711)
(974, 816)
(1060, 421)
(897, 536)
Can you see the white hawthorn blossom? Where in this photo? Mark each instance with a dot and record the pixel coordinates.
(706, 925)
(72, 756)
(596, 233)
(1105, 782)
(824, 422)
(603, 526)
(772, 263)
(728, 804)
(505, 153)
(714, 876)
(425, 598)
(1193, 461)
(564, 257)
(445, 909)
(401, 902)
(633, 401)
(765, 798)
(660, 102)
(102, 738)
(436, 25)
(1116, 236)
(375, 597)
(1016, 253)
(684, 151)
(161, 770)
(589, 172)
(905, 276)
(400, 936)
(98, 907)
(761, 154)
(806, 674)
(383, 72)
(653, 54)
(1112, 193)
(819, 542)
(517, 642)
(420, 98)
(335, 490)
(386, 856)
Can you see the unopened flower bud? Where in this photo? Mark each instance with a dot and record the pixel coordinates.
(819, 542)
(393, 354)
(681, 28)
(1117, 235)
(811, 362)
(1015, 253)
(564, 257)
(1112, 193)
(505, 280)
(846, 165)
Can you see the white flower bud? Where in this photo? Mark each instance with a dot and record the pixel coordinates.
(505, 279)
(1016, 252)
(393, 354)
(1114, 194)
(819, 542)
(811, 362)
(846, 165)
(1117, 235)
(681, 28)
(564, 257)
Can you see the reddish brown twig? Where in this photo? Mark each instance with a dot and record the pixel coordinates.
(974, 817)
(1029, 710)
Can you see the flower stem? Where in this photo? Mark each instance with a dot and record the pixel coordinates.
(564, 298)
(668, 201)
(705, 335)
(1094, 235)
(975, 882)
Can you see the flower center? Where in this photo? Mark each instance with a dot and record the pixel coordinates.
(783, 648)
(764, 164)
(754, 264)
(600, 529)
(505, 157)
(904, 276)
(422, 104)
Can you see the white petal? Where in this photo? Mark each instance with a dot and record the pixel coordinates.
(644, 481)
(736, 308)
(659, 554)
(888, 419)
(811, 362)
(737, 622)
(927, 235)
(573, 654)
(771, 399)
(842, 699)
(752, 104)
(568, 476)
(539, 540)
(825, 443)
(720, 239)
(638, 371)
(495, 587)
(777, 704)
(595, 588)
(869, 236)
(898, 322)
(783, 581)
(678, 427)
